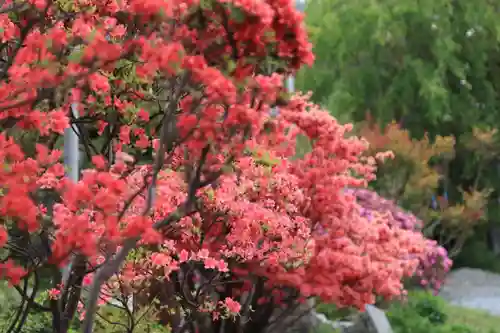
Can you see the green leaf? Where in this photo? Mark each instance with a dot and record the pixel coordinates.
(237, 15)
(76, 55)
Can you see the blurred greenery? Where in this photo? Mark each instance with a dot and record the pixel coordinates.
(110, 319)
(332, 312)
(325, 328)
(422, 312)
(432, 62)
(476, 254)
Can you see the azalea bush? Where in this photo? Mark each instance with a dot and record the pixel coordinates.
(434, 262)
(189, 209)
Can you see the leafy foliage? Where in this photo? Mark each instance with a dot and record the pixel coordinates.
(332, 312)
(113, 320)
(421, 313)
(432, 64)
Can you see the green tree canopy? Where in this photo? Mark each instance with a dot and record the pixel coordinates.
(431, 63)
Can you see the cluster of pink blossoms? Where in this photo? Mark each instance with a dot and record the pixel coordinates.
(434, 262)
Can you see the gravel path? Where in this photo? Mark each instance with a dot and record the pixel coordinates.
(473, 288)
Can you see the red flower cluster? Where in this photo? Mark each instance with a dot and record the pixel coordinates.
(290, 220)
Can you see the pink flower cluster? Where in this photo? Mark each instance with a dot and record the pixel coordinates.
(434, 263)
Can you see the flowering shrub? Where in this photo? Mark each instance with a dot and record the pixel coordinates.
(433, 262)
(188, 200)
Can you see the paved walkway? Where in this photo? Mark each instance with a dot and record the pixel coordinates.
(473, 288)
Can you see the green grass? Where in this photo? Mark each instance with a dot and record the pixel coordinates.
(481, 321)
(324, 328)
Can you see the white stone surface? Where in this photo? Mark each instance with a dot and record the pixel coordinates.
(473, 288)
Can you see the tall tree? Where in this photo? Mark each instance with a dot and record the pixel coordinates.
(432, 64)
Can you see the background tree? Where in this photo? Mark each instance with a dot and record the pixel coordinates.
(415, 175)
(431, 64)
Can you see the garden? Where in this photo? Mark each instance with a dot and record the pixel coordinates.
(159, 175)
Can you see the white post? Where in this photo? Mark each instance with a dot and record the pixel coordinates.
(71, 163)
(300, 5)
(71, 148)
(290, 84)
